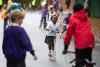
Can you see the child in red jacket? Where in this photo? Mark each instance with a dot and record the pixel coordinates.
(80, 28)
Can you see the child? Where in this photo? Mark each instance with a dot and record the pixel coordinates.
(68, 2)
(44, 12)
(52, 12)
(61, 10)
(4, 11)
(52, 28)
(16, 42)
(56, 5)
(4, 15)
(80, 28)
(65, 24)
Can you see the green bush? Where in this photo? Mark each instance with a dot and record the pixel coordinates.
(37, 4)
(27, 2)
(23, 1)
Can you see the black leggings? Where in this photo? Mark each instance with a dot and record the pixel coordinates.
(81, 55)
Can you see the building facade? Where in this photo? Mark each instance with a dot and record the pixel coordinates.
(94, 7)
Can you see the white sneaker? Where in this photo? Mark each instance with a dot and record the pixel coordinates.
(53, 56)
(49, 54)
(53, 53)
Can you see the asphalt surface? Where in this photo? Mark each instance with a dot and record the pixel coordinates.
(37, 36)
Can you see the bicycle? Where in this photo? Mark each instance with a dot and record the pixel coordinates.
(86, 64)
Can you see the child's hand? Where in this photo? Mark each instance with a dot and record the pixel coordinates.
(51, 31)
(57, 31)
(60, 35)
(35, 57)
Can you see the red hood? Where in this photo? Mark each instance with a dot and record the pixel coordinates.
(81, 15)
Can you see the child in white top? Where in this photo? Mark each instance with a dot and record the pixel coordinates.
(52, 28)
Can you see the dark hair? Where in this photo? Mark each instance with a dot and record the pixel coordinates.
(53, 17)
(69, 14)
(77, 7)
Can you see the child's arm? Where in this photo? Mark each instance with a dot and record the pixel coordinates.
(3, 15)
(25, 42)
(69, 32)
(49, 30)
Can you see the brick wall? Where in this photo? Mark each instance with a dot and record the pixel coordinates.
(63, 4)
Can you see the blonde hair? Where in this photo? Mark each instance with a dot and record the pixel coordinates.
(16, 14)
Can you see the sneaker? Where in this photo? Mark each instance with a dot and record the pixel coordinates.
(53, 53)
(49, 54)
(64, 52)
(53, 56)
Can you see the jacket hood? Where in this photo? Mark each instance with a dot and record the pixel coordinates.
(81, 15)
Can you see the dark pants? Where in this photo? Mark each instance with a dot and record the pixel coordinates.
(81, 55)
(43, 21)
(48, 16)
(16, 64)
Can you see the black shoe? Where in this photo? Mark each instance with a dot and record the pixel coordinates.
(64, 52)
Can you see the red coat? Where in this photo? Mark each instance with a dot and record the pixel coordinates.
(80, 28)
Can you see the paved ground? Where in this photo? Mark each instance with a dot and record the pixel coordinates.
(37, 36)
